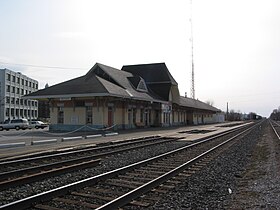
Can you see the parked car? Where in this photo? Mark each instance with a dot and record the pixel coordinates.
(14, 124)
(37, 124)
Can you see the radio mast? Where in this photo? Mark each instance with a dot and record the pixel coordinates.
(192, 61)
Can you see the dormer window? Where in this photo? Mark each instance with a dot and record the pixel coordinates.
(142, 86)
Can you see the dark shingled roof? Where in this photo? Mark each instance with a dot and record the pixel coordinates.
(101, 80)
(193, 103)
(151, 73)
(157, 77)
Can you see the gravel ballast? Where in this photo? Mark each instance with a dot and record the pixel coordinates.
(246, 177)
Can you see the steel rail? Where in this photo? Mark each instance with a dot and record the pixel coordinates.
(33, 174)
(5, 163)
(128, 197)
(27, 202)
(276, 133)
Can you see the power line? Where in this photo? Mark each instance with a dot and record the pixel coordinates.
(41, 66)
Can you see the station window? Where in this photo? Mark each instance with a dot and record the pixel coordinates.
(88, 114)
(7, 100)
(13, 78)
(8, 77)
(22, 81)
(13, 89)
(8, 88)
(60, 115)
(141, 115)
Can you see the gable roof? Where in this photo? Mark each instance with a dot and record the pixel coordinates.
(101, 80)
(151, 73)
(193, 103)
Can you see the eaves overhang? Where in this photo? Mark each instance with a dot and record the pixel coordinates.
(69, 96)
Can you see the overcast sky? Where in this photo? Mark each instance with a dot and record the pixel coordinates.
(236, 43)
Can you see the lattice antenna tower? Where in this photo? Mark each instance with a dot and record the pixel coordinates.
(192, 60)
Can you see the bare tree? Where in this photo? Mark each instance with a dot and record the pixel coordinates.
(210, 102)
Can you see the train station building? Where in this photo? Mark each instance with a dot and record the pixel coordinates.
(143, 95)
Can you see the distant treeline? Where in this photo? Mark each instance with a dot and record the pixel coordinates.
(275, 115)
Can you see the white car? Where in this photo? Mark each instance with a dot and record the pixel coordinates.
(37, 124)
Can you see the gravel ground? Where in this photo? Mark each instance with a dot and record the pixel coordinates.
(247, 177)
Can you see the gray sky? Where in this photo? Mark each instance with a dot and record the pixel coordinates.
(236, 43)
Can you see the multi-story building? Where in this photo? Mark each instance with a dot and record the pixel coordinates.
(13, 85)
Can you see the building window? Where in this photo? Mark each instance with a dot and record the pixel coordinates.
(17, 90)
(7, 100)
(26, 83)
(22, 92)
(8, 77)
(21, 101)
(13, 89)
(7, 112)
(17, 101)
(88, 114)
(22, 81)
(14, 79)
(18, 80)
(8, 88)
(12, 100)
(12, 112)
(60, 115)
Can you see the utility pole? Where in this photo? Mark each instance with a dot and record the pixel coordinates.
(192, 60)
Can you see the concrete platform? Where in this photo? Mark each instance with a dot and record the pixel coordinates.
(187, 133)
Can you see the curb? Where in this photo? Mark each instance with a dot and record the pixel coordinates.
(71, 138)
(19, 144)
(38, 142)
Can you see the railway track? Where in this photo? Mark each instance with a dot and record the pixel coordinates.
(125, 185)
(27, 170)
(276, 128)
